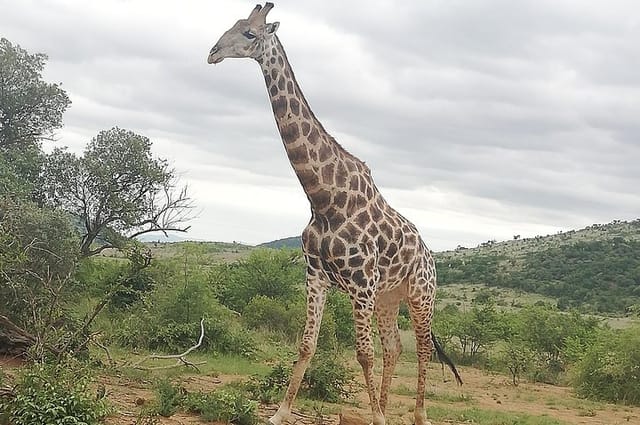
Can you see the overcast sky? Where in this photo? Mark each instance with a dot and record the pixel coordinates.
(480, 119)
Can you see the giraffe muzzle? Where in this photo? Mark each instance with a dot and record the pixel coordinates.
(212, 56)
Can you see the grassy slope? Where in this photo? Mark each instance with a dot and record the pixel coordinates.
(587, 268)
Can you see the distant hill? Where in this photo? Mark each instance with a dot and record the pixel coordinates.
(595, 269)
(292, 242)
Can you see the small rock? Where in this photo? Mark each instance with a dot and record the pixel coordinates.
(352, 418)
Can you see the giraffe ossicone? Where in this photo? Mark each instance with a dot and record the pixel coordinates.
(354, 241)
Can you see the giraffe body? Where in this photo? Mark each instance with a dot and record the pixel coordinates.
(354, 241)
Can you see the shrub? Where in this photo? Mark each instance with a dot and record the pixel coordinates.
(228, 405)
(169, 398)
(274, 315)
(53, 394)
(610, 367)
(517, 358)
(270, 388)
(328, 379)
(273, 273)
(288, 318)
(221, 336)
(38, 252)
(339, 306)
(168, 318)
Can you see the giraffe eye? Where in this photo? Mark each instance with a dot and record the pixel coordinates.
(249, 34)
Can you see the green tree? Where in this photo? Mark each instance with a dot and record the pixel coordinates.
(480, 328)
(558, 339)
(547, 331)
(117, 190)
(517, 357)
(30, 110)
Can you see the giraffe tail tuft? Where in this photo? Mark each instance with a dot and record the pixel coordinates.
(444, 358)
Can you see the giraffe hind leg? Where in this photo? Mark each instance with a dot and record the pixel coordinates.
(387, 306)
(362, 315)
(421, 306)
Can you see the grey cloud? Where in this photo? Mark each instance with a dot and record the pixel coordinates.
(532, 105)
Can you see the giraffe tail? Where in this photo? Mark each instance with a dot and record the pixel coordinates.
(445, 359)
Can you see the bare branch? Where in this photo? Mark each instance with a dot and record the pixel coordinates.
(180, 358)
(160, 229)
(104, 348)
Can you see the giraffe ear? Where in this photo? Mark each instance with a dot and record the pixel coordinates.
(272, 27)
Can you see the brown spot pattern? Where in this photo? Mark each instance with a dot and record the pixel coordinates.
(355, 240)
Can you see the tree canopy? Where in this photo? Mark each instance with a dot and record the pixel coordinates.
(30, 108)
(116, 190)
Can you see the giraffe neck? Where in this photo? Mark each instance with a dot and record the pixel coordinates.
(324, 168)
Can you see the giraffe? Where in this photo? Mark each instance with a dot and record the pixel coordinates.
(354, 241)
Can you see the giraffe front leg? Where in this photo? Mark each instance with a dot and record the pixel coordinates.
(316, 296)
(362, 315)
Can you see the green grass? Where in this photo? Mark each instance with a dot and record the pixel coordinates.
(448, 397)
(403, 390)
(487, 417)
(233, 365)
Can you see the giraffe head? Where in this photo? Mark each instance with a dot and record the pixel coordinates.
(246, 38)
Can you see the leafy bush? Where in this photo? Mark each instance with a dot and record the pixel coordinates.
(167, 319)
(339, 306)
(328, 379)
(270, 388)
(221, 336)
(169, 397)
(517, 358)
(273, 315)
(556, 338)
(288, 318)
(38, 250)
(610, 368)
(57, 395)
(276, 274)
(228, 405)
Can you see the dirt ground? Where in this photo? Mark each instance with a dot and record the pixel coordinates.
(481, 391)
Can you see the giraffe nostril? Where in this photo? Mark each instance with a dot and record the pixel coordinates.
(213, 50)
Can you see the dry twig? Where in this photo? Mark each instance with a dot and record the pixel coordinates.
(180, 358)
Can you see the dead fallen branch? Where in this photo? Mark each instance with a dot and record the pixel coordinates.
(19, 335)
(180, 358)
(104, 348)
